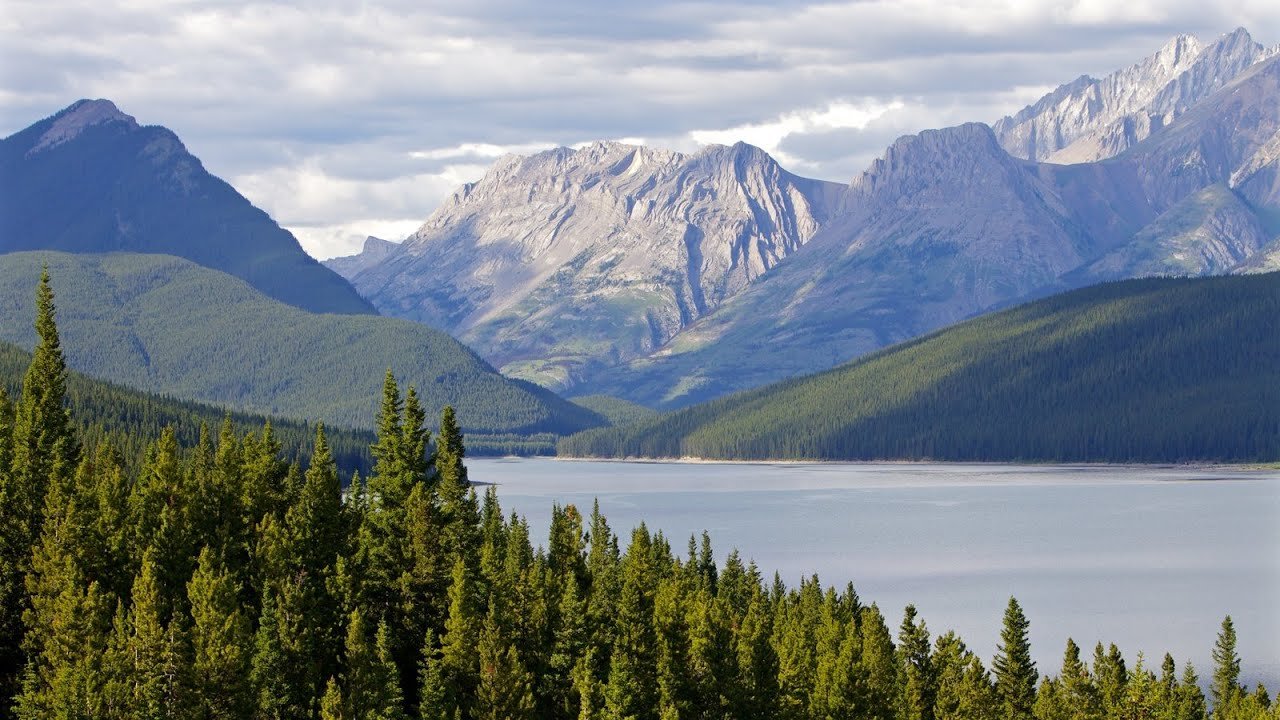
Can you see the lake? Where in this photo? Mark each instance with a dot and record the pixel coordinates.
(1149, 558)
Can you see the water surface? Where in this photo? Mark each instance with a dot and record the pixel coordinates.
(1148, 558)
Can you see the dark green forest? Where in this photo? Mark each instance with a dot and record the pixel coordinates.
(1157, 370)
(167, 325)
(219, 580)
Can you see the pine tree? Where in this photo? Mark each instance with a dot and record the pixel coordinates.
(162, 666)
(1112, 678)
(1078, 689)
(757, 661)
(1015, 671)
(222, 642)
(458, 504)
(505, 690)
(917, 671)
(964, 688)
(633, 683)
(331, 706)
(879, 665)
(42, 450)
(1142, 693)
(1226, 666)
(372, 681)
(458, 645)
(1189, 704)
(270, 670)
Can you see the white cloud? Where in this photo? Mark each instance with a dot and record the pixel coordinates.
(770, 135)
(353, 114)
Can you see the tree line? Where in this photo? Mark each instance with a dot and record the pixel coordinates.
(218, 580)
(1154, 370)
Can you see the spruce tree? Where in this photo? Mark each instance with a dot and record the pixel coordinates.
(1225, 686)
(1015, 671)
(1112, 678)
(505, 689)
(917, 671)
(879, 665)
(41, 450)
(1189, 703)
(222, 642)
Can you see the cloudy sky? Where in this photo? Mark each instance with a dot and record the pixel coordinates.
(346, 118)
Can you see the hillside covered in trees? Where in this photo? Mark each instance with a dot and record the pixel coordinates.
(221, 581)
(132, 420)
(1158, 370)
(166, 325)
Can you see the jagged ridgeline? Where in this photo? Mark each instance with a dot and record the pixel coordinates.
(1157, 370)
(223, 582)
(167, 325)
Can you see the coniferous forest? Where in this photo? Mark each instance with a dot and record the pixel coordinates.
(217, 580)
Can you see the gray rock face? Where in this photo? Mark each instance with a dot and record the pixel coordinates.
(1091, 120)
(562, 261)
(373, 252)
(669, 279)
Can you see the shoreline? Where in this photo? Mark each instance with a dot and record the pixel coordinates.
(689, 460)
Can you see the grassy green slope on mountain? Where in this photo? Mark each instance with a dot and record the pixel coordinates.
(166, 325)
(130, 419)
(1145, 370)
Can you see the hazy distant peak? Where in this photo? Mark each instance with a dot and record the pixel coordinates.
(1090, 119)
(78, 116)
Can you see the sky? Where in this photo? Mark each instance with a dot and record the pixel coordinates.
(344, 119)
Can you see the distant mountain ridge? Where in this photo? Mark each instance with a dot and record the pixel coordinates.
(90, 179)
(946, 225)
(1088, 120)
(557, 263)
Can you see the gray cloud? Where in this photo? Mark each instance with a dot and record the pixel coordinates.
(341, 115)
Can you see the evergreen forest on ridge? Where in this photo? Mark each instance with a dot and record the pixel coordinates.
(218, 580)
(1153, 370)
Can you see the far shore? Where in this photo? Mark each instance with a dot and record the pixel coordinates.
(1235, 467)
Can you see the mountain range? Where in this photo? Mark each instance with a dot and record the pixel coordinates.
(668, 279)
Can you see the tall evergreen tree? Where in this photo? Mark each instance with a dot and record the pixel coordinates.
(1015, 671)
(222, 642)
(917, 671)
(1112, 677)
(1226, 666)
(41, 450)
(505, 689)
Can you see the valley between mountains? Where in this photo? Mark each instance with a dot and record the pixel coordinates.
(642, 279)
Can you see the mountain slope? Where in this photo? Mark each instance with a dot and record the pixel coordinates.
(90, 179)
(556, 264)
(1088, 119)
(944, 226)
(166, 325)
(130, 418)
(1143, 370)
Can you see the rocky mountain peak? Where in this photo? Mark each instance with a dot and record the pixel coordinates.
(1090, 120)
(916, 163)
(76, 118)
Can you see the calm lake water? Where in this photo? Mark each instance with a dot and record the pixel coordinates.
(1148, 558)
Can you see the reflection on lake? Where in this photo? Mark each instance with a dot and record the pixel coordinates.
(1148, 558)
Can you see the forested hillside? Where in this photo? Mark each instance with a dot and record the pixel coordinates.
(1158, 370)
(166, 325)
(223, 582)
(132, 420)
